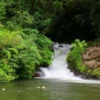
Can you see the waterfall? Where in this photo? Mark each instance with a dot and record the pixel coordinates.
(59, 68)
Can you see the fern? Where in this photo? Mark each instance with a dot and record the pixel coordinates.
(79, 43)
(14, 50)
(7, 53)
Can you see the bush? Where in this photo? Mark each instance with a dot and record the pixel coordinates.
(74, 58)
(8, 52)
(22, 51)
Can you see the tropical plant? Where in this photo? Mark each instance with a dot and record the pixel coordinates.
(79, 43)
(22, 52)
(74, 58)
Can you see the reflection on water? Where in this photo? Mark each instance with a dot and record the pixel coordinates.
(55, 90)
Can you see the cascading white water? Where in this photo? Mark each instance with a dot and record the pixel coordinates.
(59, 68)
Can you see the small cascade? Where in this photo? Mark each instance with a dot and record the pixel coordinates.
(59, 68)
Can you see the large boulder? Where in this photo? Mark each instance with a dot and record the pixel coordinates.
(91, 57)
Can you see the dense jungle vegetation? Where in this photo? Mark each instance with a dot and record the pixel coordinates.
(24, 25)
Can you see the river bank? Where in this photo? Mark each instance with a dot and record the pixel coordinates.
(84, 60)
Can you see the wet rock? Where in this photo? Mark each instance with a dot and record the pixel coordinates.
(60, 45)
(39, 74)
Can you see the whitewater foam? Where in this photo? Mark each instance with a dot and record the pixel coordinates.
(59, 68)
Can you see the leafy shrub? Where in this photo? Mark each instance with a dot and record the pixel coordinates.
(74, 58)
(43, 44)
(2, 10)
(79, 43)
(36, 53)
(96, 72)
(40, 21)
(22, 51)
(8, 51)
(29, 58)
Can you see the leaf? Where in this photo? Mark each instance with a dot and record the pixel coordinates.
(14, 50)
(7, 53)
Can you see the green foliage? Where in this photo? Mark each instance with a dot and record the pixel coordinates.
(44, 45)
(12, 26)
(22, 48)
(6, 73)
(43, 40)
(23, 18)
(2, 10)
(74, 58)
(7, 53)
(96, 72)
(8, 50)
(22, 52)
(40, 21)
(70, 16)
(36, 52)
(78, 43)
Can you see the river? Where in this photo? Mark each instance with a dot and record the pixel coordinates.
(59, 83)
(54, 90)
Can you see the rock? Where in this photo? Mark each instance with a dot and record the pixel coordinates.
(39, 74)
(92, 64)
(91, 57)
(91, 53)
(60, 45)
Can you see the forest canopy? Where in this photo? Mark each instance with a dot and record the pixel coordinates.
(58, 19)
